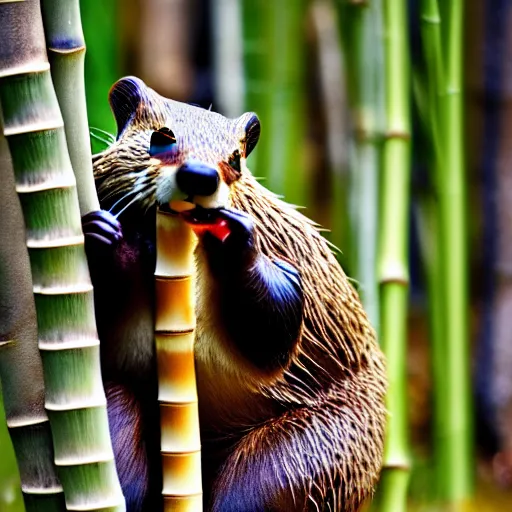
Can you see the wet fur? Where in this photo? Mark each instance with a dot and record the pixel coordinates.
(301, 429)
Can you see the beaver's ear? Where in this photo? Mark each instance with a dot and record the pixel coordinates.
(250, 132)
(125, 97)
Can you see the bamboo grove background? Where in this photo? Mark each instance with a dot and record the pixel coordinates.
(389, 121)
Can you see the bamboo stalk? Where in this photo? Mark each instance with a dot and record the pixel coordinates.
(361, 29)
(432, 249)
(453, 425)
(68, 341)
(257, 89)
(11, 497)
(458, 484)
(163, 46)
(393, 267)
(66, 52)
(177, 393)
(227, 57)
(432, 44)
(333, 98)
(21, 370)
(275, 74)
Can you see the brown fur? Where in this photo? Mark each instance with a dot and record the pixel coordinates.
(317, 426)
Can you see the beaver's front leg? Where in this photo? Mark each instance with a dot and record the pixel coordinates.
(260, 300)
(122, 282)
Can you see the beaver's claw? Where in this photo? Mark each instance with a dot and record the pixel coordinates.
(101, 228)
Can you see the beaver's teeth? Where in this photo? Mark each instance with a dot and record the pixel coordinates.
(181, 206)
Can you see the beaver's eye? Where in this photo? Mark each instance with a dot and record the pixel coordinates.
(161, 141)
(234, 161)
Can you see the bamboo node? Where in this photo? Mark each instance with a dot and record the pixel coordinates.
(393, 272)
(68, 406)
(453, 91)
(33, 127)
(26, 69)
(14, 423)
(83, 461)
(400, 466)
(72, 289)
(168, 403)
(67, 51)
(171, 277)
(47, 243)
(98, 506)
(397, 134)
(183, 496)
(404, 281)
(174, 332)
(433, 20)
(30, 188)
(55, 489)
(57, 345)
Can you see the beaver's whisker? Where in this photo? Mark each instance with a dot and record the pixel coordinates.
(128, 194)
(139, 197)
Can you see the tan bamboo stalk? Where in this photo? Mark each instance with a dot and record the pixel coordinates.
(177, 393)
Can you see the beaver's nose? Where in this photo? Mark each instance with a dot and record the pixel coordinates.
(197, 179)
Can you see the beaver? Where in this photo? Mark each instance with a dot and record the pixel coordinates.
(291, 380)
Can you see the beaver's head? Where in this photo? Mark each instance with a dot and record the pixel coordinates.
(170, 151)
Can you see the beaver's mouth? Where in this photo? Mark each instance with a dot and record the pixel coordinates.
(190, 211)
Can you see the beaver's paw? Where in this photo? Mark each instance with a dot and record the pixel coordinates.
(101, 229)
(228, 238)
(240, 227)
(232, 230)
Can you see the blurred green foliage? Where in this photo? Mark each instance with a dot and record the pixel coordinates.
(102, 67)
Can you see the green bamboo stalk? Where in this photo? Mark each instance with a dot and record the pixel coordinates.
(392, 267)
(432, 43)
(66, 52)
(432, 247)
(361, 25)
(458, 484)
(20, 363)
(427, 215)
(448, 297)
(68, 341)
(274, 64)
(255, 52)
